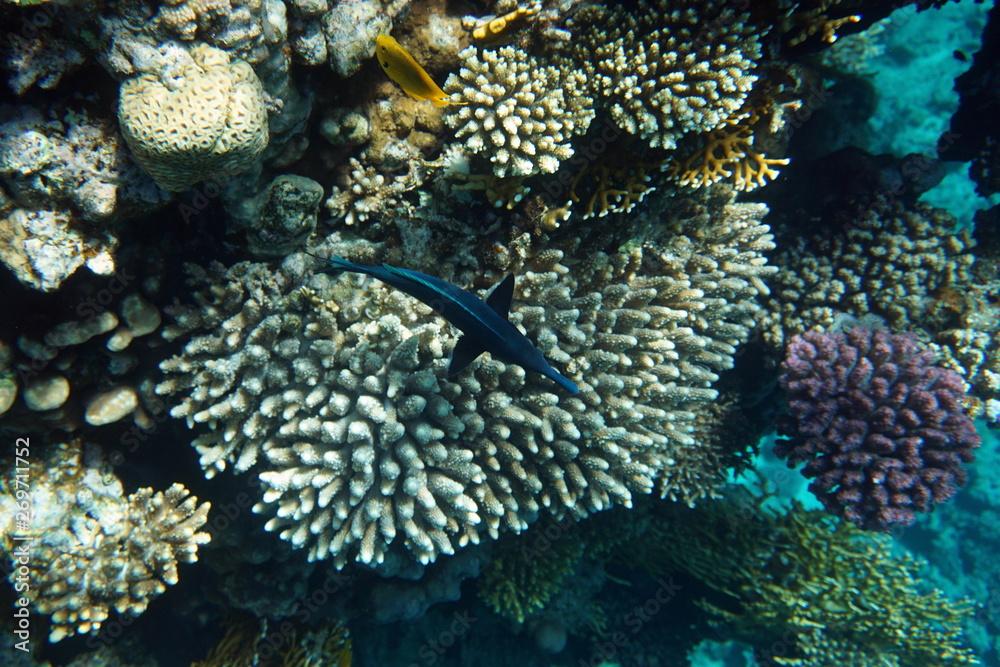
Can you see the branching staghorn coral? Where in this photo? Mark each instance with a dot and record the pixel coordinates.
(339, 393)
(518, 111)
(828, 594)
(668, 67)
(94, 548)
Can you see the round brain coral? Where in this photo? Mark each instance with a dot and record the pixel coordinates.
(209, 120)
(879, 426)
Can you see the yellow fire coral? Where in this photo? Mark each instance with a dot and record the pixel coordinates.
(803, 23)
(728, 153)
(498, 27)
(603, 189)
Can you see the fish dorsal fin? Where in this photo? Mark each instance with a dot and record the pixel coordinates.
(465, 352)
(500, 298)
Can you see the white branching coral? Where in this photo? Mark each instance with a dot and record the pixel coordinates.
(517, 110)
(364, 194)
(336, 389)
(95, 549)
(669, 67)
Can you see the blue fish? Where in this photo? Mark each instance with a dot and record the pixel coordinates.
(483, 323)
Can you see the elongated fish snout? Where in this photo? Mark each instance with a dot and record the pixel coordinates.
(562, 381)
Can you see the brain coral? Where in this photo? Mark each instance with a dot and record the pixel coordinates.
(669, 67)
(519, 111)
(96, 548)
(208, 121)
(880, 428)
(340, 392)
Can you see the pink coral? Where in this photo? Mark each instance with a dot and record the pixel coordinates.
(881, 429)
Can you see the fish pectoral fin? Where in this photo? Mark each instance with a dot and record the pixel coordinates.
(465, 352)
(501, 296)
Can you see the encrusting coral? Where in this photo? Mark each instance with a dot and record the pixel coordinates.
(208, 121)
(93, 548)
(516, 110)
(68, 182)
(339, 392)
(877, 424)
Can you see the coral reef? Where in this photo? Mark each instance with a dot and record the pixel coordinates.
(899, 260)
(434, 463)
(603, 154)
(518, 111)
(823, 594)
(208, 120)
(94, 548)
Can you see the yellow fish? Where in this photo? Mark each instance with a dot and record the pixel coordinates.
(400, 66)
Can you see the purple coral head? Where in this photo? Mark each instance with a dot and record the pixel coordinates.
(881, 429)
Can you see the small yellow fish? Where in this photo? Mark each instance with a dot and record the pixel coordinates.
(400, 66)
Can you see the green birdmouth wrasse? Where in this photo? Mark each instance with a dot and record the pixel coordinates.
(484, 324)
